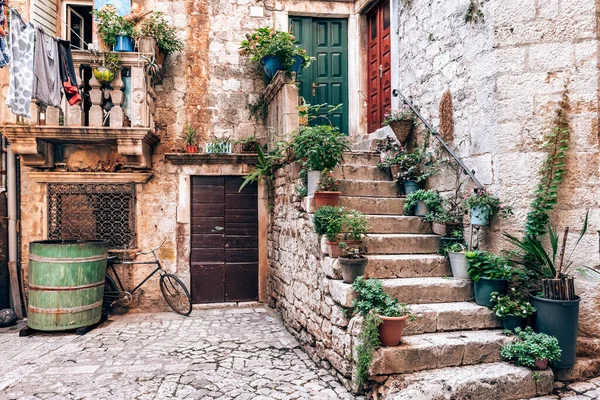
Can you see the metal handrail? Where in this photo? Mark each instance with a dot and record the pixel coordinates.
(471, 173)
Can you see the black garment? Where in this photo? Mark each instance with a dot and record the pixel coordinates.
(67, 73)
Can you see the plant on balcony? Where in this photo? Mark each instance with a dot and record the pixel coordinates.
(275, 51)
(423, 202)
(512, 308)
(113, 29)
(530, 349)
(105, 73)
(157, 27)
(401, 121)
(483, 205)
(327, 191)
(190, 139)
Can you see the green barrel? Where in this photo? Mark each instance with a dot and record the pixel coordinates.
(66, 283)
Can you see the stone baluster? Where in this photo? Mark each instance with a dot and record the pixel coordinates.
(53, 116)
(117, 116)
(6, 114)
(75, 115)
(139, 103)
(96, 115)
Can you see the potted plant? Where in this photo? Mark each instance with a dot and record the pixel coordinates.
(246, 145)
(218, 146)
(401, 121)
(556, 303)
(390, 152)
(159, 36)
(352, 261)
(490, 273)
(483, 205)
(105, 73)
(318, 147)
(113, 29)
(190, 138)
(415, 168)
(458, 260)
(326, 193)
(530, 349)
(511, 307)
(422, 202)
(338, 224)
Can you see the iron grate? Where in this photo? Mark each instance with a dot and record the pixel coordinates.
(92, 212)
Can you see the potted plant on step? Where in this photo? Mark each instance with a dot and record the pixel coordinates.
(105, 73)
(483, 205)
(414, 169)
(530, 349)
(490, 273)
(422, 202)
(513, 310)
(401, 121)
(458, 260)
(556, 302)
(190, 138)
(390, 152)
(352, 261)
(338, 224)
(247, 145)
(326, 193)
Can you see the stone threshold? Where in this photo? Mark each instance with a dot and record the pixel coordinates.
(90, 177)
(211, 159)
(238, 304)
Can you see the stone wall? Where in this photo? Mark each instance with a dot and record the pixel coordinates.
(506, 75)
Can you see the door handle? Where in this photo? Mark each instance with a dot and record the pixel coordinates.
(314, 89)
(380, 71)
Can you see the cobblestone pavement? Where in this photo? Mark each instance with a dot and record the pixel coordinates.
(236, 353)
(575, 391)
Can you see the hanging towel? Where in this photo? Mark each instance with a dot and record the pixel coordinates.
(67, 73)
(21, 66)
(46, 83)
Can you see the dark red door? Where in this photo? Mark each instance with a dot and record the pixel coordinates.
(224, 256)
(379, 60)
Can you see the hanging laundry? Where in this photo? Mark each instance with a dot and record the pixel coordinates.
(46, 83)
(67, 73)
(4, 53)
(21, 66)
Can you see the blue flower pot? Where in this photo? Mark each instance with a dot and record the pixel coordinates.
(124, 44)
(298, 64)
(410, 187)
(271, 65)
(480, 215)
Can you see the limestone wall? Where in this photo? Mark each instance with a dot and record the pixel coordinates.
(506, 75)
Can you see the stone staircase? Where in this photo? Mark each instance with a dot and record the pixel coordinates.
(451, 350)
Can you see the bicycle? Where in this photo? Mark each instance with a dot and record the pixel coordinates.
(173, 290)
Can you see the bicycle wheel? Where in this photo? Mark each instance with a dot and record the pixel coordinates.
(111, 293)
(176, 294)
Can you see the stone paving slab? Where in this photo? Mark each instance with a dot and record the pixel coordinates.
(229, 353)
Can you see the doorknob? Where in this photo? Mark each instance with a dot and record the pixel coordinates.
(314, 89)
(380, 71)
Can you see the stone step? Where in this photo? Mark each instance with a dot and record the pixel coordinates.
(439, 350)
(371, 158)
(369, 188)
(401, 243)
(362, 172)
(411, 290)
(397, 224)
(367, 205)
(443, 317)
(491, 381)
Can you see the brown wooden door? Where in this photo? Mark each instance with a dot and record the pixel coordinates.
(224, 256)
(379, 61)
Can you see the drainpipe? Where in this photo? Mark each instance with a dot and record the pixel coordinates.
(11, 177)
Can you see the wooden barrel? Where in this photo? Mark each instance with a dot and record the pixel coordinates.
(66, 283)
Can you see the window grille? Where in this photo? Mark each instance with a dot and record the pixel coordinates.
(92, 212)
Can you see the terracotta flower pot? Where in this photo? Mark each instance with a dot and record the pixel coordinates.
(191, 149)
(402, 129)
(390, 330)
(327, 199)
(541, 364)
(333, 248)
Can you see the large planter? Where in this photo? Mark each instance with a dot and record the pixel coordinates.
(484, 287)
(458, 263)
(271, 65)
(313, 180)
(333, 248)
(480, 215)
(298, 64)
(103, 74)
(352, 268)
(410, 187)
(421, 209)
(511, 322)
(402, 129)
(327, 199)
(124, 44)
(559, 318)
(390, 330)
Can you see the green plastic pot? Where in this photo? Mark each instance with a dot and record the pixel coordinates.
(511, 322)
(484, 287)
(559, 318)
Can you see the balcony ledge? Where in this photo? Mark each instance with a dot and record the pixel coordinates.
(208, 159)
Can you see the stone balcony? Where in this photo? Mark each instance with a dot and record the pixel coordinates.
(119, 114)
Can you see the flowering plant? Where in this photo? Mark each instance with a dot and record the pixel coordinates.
(510, 304)
(269, 42)
(402, 114)
(327, 183)
(485, 199)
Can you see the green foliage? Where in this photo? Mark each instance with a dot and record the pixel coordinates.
(351, 252)
(328, 221)
(355, 225)
(190, 135)
(484, 198)
(454, 248)
(156, 26)
(219, 146)
(487, 265)
(511, 304)
(404, 113)
(431, 198)
(327, 183)
(112, 61)
(268, 41)
(390, 158)
(415, 166)
(474, 13)
(552, 172)
(530, 346)
(319, 147)
(369, 342)
(259, 109)
(110, 24)
(265, 168)
(371, 297)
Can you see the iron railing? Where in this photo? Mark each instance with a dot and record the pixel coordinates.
(435, 134)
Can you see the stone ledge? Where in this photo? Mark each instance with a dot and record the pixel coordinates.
(211, 159)
(90, 177)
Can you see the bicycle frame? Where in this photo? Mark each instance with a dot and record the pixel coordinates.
(119, 262)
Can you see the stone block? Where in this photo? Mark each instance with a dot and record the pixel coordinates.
(402, 243)
(397, 224)
(406, 266)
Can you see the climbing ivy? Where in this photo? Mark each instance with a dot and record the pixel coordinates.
(552, 172)
(369, 342)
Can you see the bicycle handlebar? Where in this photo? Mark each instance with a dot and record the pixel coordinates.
(153, 250)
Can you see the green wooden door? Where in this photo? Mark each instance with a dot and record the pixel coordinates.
(326, 80)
